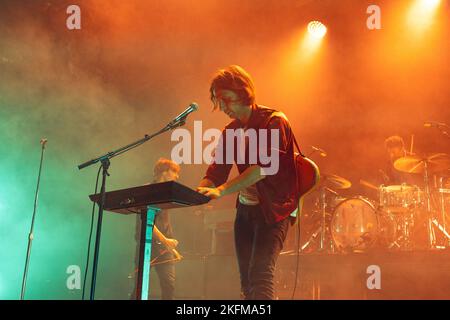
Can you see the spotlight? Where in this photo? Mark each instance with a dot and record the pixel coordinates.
(317, 29)
(421, 15)
(432, 3)
(426, 5)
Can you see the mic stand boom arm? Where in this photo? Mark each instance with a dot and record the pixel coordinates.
(130, 146)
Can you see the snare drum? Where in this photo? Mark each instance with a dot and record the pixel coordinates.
(400, 198)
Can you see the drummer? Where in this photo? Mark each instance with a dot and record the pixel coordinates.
(395, 148)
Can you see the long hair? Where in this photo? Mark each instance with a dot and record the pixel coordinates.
(163, 165)
(236, 79)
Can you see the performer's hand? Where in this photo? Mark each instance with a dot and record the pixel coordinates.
(171, 243)
(213, 193)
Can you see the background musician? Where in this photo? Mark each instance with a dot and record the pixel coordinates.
(164, 254)
(395, 149)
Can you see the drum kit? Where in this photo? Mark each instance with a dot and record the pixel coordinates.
(404, 217)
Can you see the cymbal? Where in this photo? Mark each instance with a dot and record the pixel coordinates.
(335, 181)
(415, 164)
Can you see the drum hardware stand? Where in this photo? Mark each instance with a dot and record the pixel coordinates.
(439, 226)
(431, 235)
(311, 239)
(431, 220)
(443, 228)
(322, 201)
(426, 165)
(395, 243)
(404, 239)
(323, 228)
(323, 206)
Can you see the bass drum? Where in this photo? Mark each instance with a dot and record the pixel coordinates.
(357, 226)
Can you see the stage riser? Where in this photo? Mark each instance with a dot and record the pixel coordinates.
(402, 276)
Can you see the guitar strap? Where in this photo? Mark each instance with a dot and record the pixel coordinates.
(293, 219)
(282, 115)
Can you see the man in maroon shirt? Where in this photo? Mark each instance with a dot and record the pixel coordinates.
(267, 198)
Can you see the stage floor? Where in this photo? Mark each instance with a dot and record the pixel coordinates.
(398, 275)
(373, 275)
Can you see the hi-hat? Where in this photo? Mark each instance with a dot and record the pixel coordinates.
(335, 181)
(415, 164)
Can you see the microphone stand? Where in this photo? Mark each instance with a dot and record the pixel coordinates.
(443, 130)
(31, 235)
(445, 133)
(105, 163)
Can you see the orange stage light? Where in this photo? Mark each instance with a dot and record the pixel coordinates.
(421, 15)
(312, 38)
(317, 29)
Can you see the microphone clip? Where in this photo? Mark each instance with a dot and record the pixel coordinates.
(175, 124)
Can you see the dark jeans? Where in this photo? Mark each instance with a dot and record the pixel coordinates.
(166, 275)
(257, 247)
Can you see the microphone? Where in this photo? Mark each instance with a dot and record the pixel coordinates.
(435, 124)
(182, 116)
(321, 151)
(43, 142)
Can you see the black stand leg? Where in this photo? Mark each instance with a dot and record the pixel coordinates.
(105, 166)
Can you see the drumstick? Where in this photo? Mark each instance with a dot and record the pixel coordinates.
(412, 145)
(367, 184)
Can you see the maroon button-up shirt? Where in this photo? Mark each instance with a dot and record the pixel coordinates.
(277, 193)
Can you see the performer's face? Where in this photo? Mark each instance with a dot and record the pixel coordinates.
(168, 175)
(228, 102)
(395, 153)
